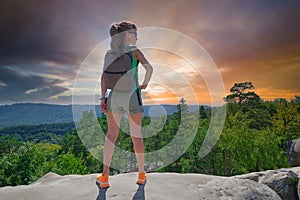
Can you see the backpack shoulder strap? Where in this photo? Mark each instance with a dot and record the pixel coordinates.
(134, 69)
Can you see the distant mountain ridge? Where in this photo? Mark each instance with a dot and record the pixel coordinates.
(38, 113)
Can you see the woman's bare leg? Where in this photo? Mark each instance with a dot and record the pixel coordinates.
(113, 120)
(135, 122)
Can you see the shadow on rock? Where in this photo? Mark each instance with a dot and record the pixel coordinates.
(140, 193)
(102, 193)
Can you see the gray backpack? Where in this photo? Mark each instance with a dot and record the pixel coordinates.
(120, 73)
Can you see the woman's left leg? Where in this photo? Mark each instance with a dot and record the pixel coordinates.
(135, 122)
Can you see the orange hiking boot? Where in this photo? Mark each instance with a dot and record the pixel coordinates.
(102, 181)
(142, 178)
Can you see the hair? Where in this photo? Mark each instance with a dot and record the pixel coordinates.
(117, 33)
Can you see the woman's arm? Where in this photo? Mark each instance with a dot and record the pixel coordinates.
(103, 92)
(103, 86)
(149, 69)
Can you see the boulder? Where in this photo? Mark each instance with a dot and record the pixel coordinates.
(293, 152)
(282, 181)
(162, 186)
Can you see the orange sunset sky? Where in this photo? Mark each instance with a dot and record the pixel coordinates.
(50, 49)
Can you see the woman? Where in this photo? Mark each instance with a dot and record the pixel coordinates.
(123, 41)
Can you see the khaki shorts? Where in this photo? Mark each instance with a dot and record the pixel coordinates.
(129, 102)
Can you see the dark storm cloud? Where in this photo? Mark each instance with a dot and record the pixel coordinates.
(18, 87)
(249, 29)
(37, 30)
(25, 35)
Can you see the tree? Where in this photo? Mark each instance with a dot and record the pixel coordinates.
(247, 105)
(8, 144)
(250, 150)
(69, 164)
(296, 100)
(287, 121)
(72, 144)
(202, 112)
(241, 93)
(22, 166)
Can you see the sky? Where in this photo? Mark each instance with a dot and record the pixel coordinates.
(46, 47)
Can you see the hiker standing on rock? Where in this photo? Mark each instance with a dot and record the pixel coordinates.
(120, 75)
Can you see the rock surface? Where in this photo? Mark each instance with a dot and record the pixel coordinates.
(293, 152)
(282, 181)
(159, 186)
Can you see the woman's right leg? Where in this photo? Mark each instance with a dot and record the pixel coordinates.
(113, 120)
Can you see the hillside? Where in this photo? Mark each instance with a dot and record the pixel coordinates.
(33, 114)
